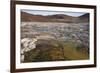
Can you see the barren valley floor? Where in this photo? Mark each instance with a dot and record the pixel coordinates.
(54, 41)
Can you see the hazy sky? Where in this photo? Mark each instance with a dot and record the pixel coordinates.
(44, 12)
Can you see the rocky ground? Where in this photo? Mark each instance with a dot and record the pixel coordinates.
(55, 41)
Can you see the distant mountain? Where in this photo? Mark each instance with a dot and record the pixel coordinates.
(27, 17)
(30, 17)
(60, 16)
(85, 17)
(53, 18)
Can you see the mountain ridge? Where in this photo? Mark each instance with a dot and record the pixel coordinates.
(25, 17)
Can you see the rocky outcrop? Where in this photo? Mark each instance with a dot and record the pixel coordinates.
(27, 44)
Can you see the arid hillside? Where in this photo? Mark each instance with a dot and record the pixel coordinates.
(26, 17)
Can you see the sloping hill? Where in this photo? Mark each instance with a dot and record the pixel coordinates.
(85, 15)
(30, 17)
(25, 17)
(84, 18)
